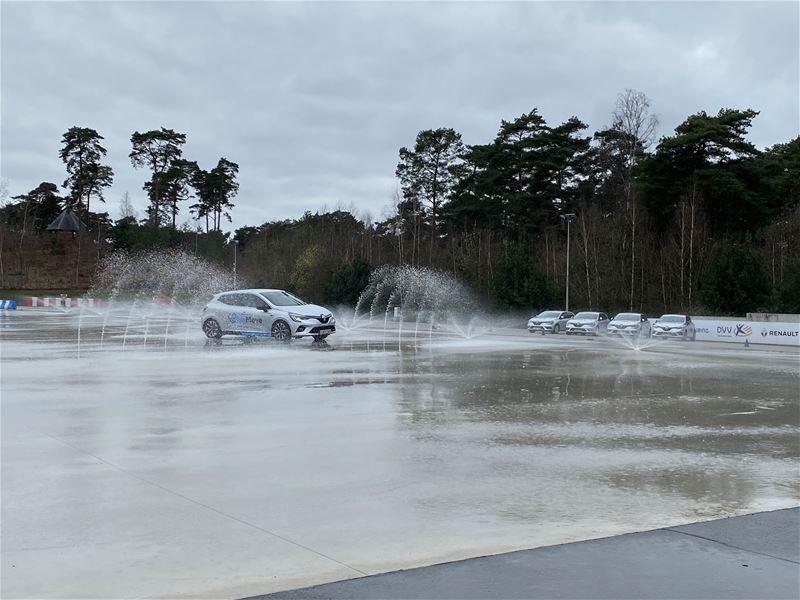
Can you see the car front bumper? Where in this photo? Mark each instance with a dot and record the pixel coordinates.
(305, 330)
(582, 330)
(625, 331)
(673, 333)
(546, 327)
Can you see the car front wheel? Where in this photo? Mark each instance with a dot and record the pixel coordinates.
(281, 331)
(212, 329)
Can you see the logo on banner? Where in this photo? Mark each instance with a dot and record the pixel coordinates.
(742, 330)
(764, 332)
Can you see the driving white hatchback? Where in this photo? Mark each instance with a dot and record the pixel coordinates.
(266, 313)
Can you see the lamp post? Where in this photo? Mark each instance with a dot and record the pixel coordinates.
(235, 247)
(568, 218)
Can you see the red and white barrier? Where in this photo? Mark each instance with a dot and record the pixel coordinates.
(62, 301)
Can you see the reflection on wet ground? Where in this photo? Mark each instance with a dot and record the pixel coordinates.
(176, 465)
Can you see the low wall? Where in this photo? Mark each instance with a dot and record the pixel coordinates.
(59, 301)
(755, 332)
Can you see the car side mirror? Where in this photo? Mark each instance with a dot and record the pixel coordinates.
(263, 308)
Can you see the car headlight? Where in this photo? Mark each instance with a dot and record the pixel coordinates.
(297, 318)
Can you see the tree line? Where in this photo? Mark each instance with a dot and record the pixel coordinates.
(31, 258)
(173, 180)
(698, 220)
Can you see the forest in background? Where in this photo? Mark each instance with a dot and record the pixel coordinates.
(699, 221)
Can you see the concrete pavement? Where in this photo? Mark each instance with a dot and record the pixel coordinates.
(753, 556)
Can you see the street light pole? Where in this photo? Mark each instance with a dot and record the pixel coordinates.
(568, 218)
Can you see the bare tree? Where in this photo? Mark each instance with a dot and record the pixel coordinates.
(126, 208)
(638, 127)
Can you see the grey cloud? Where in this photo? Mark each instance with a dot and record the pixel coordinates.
(313, 100)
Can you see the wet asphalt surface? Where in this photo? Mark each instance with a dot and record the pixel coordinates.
(138, 460)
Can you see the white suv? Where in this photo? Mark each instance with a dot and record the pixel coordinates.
(550, 321)
(675, 326)
(266, 313)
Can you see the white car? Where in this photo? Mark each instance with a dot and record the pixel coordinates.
(549, 321)
(674, 326)
(587, 323)
(266, 313)
(634, 324)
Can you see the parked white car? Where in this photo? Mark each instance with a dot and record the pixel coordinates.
(587, 323)
(266, 313)
(549, 321)
(634, 324)
(674, 326)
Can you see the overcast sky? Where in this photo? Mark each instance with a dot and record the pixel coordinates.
(313, 100)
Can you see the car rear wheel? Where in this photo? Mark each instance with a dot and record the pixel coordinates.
(281, 331)
(212, 329)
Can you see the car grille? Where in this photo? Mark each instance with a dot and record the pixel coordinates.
(323, 319)
(330, 329)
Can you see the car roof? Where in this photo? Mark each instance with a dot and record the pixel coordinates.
(249, 291)
(672, 315)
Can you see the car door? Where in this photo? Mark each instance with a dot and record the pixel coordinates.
(235, 319)
(256, 319)
(602, 322)
(644, 328)
(223, 309)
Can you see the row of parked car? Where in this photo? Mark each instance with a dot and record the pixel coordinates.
(627, 324)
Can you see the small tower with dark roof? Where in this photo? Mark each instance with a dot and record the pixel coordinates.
(66, 221)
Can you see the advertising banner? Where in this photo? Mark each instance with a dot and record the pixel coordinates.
(756, 332)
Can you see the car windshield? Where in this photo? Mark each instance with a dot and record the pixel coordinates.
(673, 319)
(586, 315)
(627, 317)
(548, 314)
(281, 298)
